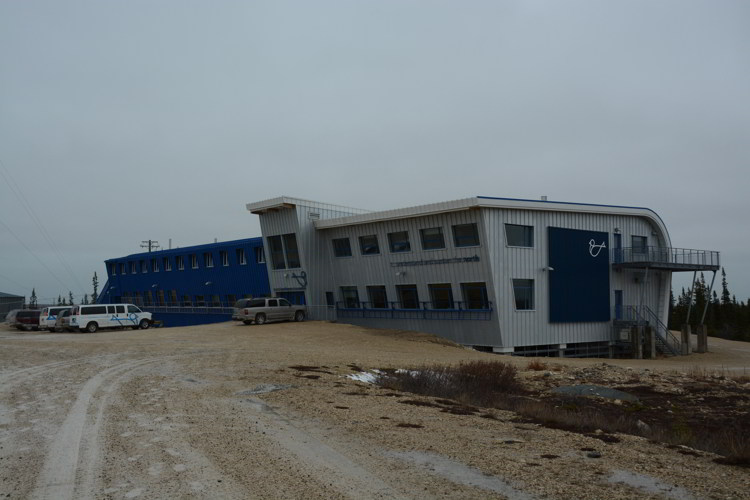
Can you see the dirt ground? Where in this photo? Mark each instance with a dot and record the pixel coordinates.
(236, 411)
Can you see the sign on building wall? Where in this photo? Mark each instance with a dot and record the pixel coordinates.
(579, 278)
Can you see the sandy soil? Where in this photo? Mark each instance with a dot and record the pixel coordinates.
(236, 411)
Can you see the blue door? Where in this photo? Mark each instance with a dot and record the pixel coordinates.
(618, 304)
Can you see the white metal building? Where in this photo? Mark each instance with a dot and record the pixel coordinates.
(506, 275)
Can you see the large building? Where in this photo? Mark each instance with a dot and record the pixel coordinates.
(189, 285)
(8, 302)
(504, 275)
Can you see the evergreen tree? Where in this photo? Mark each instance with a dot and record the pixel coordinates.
(85, 298)
(95, 283)
(59, 300)
(33, 299)
(63, 303)
(70, 298)
(725, 298)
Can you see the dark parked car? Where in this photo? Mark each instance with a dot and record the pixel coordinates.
(26, 319)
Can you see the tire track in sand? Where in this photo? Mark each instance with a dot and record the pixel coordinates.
(57, 479)
(22, 374)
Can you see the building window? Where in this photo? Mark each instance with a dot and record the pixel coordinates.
(231, 299)
(180, 261)
(123, 268)
(208, 259)
(144, 266)
(475, 295)
(193, 261)
(519, 236)
(260, 255)
(292, 253)
(215, 301)
(377, 296)
(399, 241)
(224, 256)
(465, 235)
(342, 247)
(330, 302)
(199, 302)
(432, 238)
(148, 297)
(407, 296)
(368, 245)
(350, 296)
(186, 300)
(277, 252)
(167, 264)
(639, 244)
(113, 269)
(241, 256)
(155, 265)
(523, 291)
(160, 297)
(173, 298)
(133, 269)
(441, 296)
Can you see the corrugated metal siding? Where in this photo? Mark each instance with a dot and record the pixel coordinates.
(522, 328)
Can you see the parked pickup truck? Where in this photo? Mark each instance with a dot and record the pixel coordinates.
(262, 311)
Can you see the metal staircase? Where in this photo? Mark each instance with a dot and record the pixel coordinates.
(666, 343)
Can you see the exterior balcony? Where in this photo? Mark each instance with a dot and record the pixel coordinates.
(665, 258)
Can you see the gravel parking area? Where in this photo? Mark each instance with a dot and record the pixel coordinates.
(236, 411)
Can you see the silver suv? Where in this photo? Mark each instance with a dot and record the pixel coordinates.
(264, 310)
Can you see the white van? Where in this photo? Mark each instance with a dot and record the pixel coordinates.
(48, 317)
(92, 317)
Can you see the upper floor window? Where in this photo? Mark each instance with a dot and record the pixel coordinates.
(241, 256)
(123, 268)
(133, 268)
(639, 244)
(292, 253)
(180, 261)
(113, 269)
(399, 241)
(144, 267)
(466, 235)
(342, 247)
(208, 259)
(167, 264)
(277, 252)
(519, 236)
(368, 245)
(194, 261)
(224, 256)
(260, 255)
(155, 265)
(432, 238)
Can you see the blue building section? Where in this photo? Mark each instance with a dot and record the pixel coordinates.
(189, 285)
(579, 278)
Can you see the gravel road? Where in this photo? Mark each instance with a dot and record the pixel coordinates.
(236, 411)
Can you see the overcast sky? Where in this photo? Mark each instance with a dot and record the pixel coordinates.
(124, 121)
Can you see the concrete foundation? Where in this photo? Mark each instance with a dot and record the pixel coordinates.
(686, 346)
(636, 336)
(702, 332)
(651, 342)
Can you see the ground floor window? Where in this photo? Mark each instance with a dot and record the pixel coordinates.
(186, 301)
(350, 296)
(329, 300)
(200, 301)
(378, 297)
(523, 291)
(475, 295)
(407, 296)
(441, 296)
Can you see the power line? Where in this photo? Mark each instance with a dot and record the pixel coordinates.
(42, 230)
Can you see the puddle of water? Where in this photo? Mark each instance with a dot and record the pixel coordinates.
(650, 484)
(595, 390)
(264, 389)
(460, 473)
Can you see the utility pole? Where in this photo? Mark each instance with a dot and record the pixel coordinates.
(150, 244)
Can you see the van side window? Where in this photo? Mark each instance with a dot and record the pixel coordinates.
(120, 309)
(133, 309)
(110, 309)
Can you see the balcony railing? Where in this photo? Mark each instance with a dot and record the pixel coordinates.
(445, 310)
(666, 258)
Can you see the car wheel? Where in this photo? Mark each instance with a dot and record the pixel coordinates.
(144, 324)
(260, 319)
(92, 327)
(299, 316)
(247, 321)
